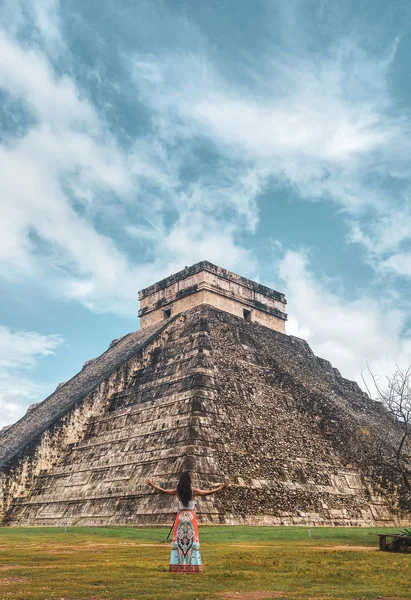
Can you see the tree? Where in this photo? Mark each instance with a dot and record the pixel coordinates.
(394, 445)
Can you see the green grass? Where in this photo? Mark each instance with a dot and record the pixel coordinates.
(126, 564)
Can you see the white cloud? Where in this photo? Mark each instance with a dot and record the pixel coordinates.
(19, 354)
(47, 19)
(399, 263)
(37, 20)
(326, 124)
(303, 122)
(311, 120)
(386, 239)
(298, 124)
(68, 148)
(194, 238)
(59, 172)
(350, 332)
(20, 349)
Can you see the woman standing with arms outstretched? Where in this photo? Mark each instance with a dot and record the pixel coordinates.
(185, 550)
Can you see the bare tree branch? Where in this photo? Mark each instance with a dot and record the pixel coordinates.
(394, 451)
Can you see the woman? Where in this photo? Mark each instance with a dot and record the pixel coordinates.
(185, 550)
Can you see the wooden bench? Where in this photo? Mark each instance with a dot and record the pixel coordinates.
(384, 545)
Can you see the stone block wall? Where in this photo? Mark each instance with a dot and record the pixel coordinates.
(222, 397)
(205, 283)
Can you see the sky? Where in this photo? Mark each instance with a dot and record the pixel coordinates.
(270, 137)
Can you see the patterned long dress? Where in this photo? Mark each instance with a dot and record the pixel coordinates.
(185, 550)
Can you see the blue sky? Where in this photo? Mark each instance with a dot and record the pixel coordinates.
(272, 138)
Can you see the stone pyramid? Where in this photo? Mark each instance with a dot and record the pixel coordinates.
(210, 383)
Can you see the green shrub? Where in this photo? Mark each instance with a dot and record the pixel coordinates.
(402, 545)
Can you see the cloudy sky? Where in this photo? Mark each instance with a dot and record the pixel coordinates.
(136, 137)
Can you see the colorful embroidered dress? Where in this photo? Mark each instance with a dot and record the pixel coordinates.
(185, 550)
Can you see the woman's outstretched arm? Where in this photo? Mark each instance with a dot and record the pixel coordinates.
(160, 489)
(221, 487)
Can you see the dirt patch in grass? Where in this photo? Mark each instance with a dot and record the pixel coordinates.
(344, 548)
(260, 595)
(10, 580)
(78, 547)
(337, 548)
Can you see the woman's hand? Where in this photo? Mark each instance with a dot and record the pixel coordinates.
(226, 484)
(150, 482)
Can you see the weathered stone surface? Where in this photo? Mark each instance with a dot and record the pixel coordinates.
(205, 283)
(40, 438)
(70, 393)
(214, 393)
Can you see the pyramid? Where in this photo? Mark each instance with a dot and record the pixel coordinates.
(210, 383)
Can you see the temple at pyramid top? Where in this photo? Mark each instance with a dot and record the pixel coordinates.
(205, 283)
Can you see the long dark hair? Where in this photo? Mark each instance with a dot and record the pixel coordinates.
(184, 489)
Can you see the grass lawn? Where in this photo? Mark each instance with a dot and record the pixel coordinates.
(243, 563)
